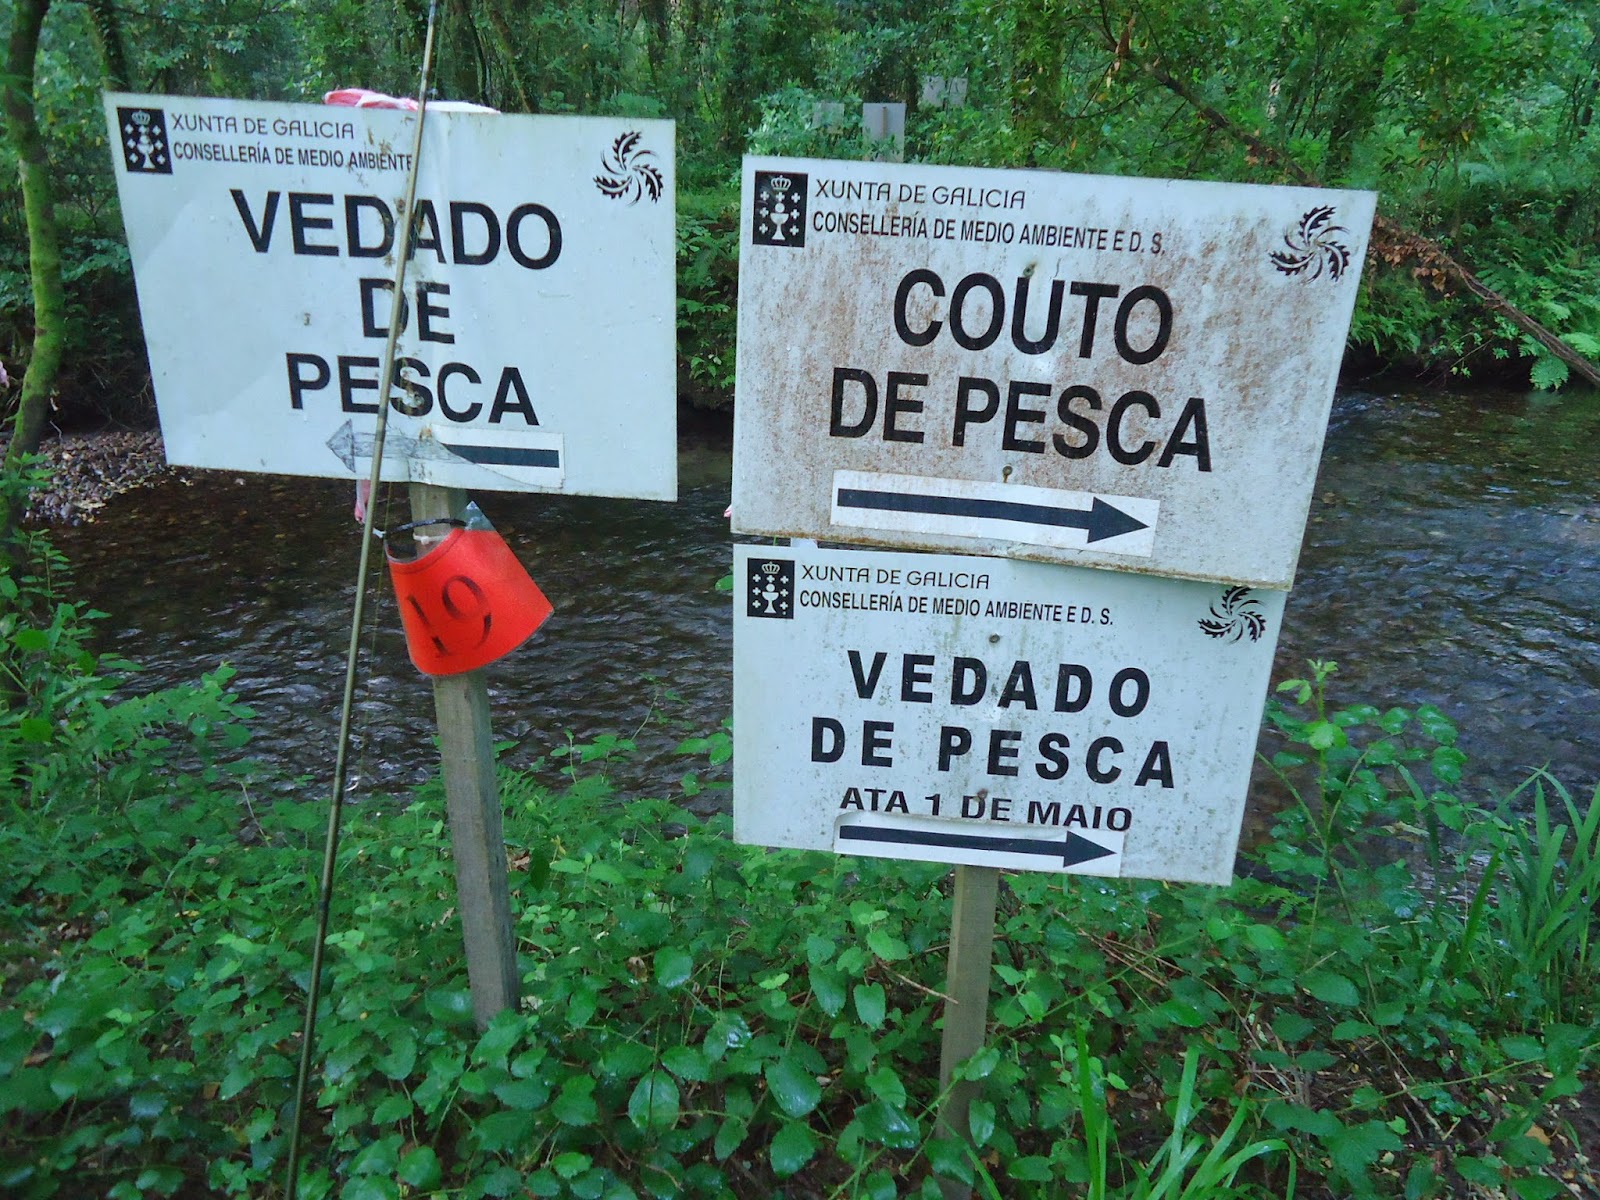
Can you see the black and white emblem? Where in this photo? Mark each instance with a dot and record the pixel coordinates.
(144, 140)
(769, 590)
(780, 211)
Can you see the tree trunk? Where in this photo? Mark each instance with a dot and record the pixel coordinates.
(113, 54)
(44, 251)
(505, 49)
(1389, 239)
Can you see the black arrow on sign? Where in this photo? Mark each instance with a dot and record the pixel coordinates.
(349, 445)
(1099, 521)
(1073, 851)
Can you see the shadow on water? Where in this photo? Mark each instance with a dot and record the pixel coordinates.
(1452, 553)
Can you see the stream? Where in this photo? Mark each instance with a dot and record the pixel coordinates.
(1451, 556)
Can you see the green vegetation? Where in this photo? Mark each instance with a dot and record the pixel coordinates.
(702, 1019)
(1399, 996)
(1473, 120)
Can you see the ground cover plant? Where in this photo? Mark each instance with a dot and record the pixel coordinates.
(704, 1019)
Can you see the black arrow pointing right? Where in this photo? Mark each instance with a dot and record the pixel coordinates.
(1099, 521)
(1073, 851)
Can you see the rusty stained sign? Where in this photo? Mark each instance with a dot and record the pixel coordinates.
(995, 713)
(1131, 374)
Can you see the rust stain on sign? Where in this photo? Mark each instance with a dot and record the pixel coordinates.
(1006, 353)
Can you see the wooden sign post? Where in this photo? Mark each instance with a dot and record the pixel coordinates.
(966, 1012)
(472, 798)
(303, 207)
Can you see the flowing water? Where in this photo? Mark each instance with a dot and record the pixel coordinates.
(1452, 558)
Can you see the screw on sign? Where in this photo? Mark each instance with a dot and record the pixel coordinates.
(466, 602)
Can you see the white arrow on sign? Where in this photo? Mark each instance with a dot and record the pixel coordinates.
(980, 843)
(536, 459)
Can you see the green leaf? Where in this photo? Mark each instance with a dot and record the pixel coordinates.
(886, 1085)
(1390, 1012)
(1522, 1047)
(1394, 720)
(980, 1120)
(163, 1180)
(1436, 726)
(886, 946)
(674, 966)
(585, 1000)
(1264, 938)
(654, 1103)
(504, 1180)
(981, 1065)
(887, 1125)
(794, 1088)
(504, 1132)
(1325, 735)
(871, 1004)
(1034, 1169)
(1356, 1147)
(524, 1094)
(626, 1060)
(730, 1136)
(143, 1106)
(570, 1164)
(828, 987)
(950, 1159)
(1537, 1187)
(449, 1006)
(35, 730)
(575, 1104)
(392, 1108)
(1315, 1121)
(1447, 762)
(792, 1149)
(402, 1055)
(1330, 987)
(420, 1168)
(1349, 1031)
(370, 1187)
(687, 1062)
(505, 1031)
(1548, 373)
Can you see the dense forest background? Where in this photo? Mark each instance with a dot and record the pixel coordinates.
(1473, 119)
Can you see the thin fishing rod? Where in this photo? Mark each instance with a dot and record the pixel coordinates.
(341, 763)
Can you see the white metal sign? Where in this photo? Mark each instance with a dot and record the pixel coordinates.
(1126, 373)
(995, 712)
(538, 349)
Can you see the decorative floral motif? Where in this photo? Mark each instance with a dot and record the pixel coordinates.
(1313, 247)
(630, 171)
(1235, 616)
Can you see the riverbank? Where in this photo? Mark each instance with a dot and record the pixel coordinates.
(88, 470)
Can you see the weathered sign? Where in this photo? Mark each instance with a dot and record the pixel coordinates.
(994, 712)
(1125, 373)
(538, 346)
